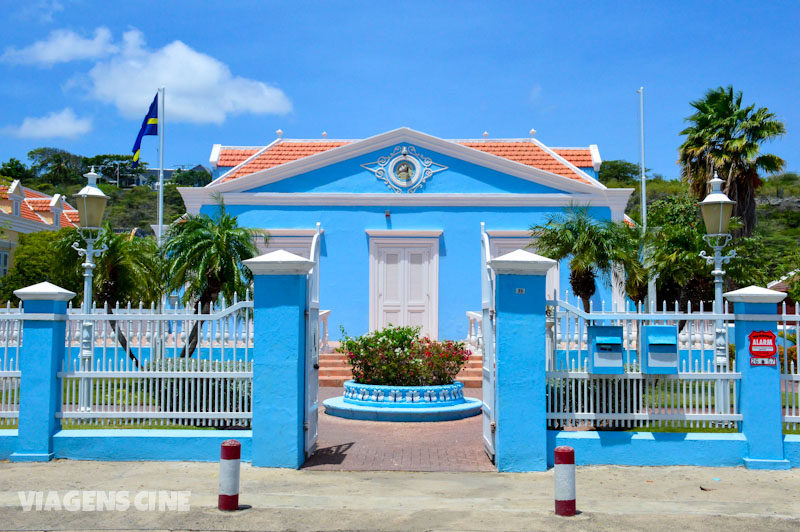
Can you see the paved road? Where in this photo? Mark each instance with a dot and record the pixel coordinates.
(610, 498)
(350, 445)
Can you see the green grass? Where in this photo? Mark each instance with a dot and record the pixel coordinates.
(117, 424)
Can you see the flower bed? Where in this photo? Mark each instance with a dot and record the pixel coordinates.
(397, 356)
(399, 376)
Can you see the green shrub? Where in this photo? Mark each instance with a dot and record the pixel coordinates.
(397, 356)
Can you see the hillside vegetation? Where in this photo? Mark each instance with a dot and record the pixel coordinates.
(777, 213)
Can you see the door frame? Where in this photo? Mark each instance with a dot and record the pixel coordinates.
(402, 240)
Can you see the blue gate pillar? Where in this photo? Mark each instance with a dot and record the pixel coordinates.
(760, 391)
(279, 305)
(520, 361)
(42, 351)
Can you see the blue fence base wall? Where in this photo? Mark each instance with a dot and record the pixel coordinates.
(791, 449)
(8, 442)
(148, 444)
(651, 448)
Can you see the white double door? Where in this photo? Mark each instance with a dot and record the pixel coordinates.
(404, 286)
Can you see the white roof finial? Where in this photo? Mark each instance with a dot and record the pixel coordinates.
(532, 132)
(279, 133)
(324, 134)
(485, 135)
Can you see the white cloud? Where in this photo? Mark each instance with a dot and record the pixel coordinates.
(62, 124)
(42, 11)
(62, 46)
(199, 88)
(535, 94)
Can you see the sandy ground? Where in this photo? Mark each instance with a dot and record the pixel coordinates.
(609, 498)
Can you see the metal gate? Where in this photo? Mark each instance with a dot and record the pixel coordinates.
(311, 414)
(488, 332)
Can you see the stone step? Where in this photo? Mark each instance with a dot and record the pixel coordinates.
(340, 359)
(335, 382)
(332, 382)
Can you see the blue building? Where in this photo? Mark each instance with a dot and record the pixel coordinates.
(401, 215)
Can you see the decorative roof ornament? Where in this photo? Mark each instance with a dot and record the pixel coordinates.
(532, 132)
(404, 169)
(279, 132)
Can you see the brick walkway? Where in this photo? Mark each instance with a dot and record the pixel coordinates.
(350, 445)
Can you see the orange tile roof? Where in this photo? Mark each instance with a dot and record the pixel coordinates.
(70, 218)
(580, 157)
(36, 201)
(280, 153)
(38, 205)
(524, 152)
(230, 157)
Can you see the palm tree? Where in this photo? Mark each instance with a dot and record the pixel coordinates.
(629, 249)
(725, 137)
(128, 271)
(204, 259)
(575, 235)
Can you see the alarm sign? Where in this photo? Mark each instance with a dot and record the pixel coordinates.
(763, 348)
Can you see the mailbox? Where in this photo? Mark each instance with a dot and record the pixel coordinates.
(659, 355)
(605, 350)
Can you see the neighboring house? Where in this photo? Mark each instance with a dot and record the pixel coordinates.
(150, 175)
(401, 215)
(23, 211)
(782, 285)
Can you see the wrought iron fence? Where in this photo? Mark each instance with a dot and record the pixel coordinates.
(10, 343)
(788, 334)
(155, 368)
(702, 393)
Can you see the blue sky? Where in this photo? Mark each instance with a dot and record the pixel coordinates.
(79, 75)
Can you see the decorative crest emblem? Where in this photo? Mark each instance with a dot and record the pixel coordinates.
(404, 169)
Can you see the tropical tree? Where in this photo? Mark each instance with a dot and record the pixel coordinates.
(204, 261)
(628, 249)
(725, 137)
(35, 261)
(129, 271)
(575, 235)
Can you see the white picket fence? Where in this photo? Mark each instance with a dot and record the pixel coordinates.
(788, 335)
(143, 374)
(701, 394)
(10, 342)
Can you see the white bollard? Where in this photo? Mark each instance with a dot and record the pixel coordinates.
(564, 474)
(230, 460)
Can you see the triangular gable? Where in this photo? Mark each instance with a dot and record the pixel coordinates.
(570, 178)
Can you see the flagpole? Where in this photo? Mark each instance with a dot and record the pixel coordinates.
(160, 163)
(641, 158)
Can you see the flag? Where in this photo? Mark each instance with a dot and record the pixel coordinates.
(149, 127)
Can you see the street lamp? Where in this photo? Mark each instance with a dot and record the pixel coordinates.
(90, 202)
(717, 209)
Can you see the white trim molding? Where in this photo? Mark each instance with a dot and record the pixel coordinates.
(597, 161)
(410, 233)
(614, 198)
(514, 233)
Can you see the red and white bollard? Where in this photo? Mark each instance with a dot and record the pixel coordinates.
(229, 461)
(564, 470)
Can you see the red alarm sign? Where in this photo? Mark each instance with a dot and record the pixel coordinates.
(763, 348)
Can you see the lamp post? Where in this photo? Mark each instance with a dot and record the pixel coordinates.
(90, 202)
(717, 209)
